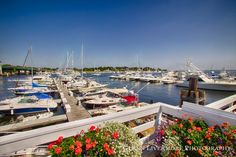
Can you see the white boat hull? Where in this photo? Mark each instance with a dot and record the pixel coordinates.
(211, 86)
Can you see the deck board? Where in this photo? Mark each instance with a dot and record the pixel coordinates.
(77, 112)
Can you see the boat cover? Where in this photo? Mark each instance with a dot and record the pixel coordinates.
(38, 85)
(41, 95)
(130, 99)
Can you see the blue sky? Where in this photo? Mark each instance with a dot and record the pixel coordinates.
(162, 33)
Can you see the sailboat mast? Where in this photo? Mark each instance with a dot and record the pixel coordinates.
(82, 59)
(32, 69)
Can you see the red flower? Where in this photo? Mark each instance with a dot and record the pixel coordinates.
(50, 146)
(92, 128)
(208, 136)
(189, 142)
(106, 133)
(115, 135)
(225, 125)
(177, 120)
(59, 140)
(210, 129)
(162, 132)
(88, 140)
(81, 132)
(181, 125)
(97, 130)
(58, 150)
(190, 130)
(106, 146)
(88, 146)
(93, 144)
(78, 144)
(199, 129)
(190, 120)
(233, 131)
(78, 151)
(173, 132)
(76, 136)
(199, 151)
(110, 152)
(72, 147)
(216, 153)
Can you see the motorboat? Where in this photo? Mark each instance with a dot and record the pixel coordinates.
(28, 104)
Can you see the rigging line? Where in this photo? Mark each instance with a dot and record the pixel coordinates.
(143, 87)
(23, 65)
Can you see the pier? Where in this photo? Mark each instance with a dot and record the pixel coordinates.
(73, 110)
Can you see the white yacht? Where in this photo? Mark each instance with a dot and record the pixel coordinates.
(209, 83)
(169, 78)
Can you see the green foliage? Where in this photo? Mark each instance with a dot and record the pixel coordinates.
(128, 143)
(114, 139)
(197, 138)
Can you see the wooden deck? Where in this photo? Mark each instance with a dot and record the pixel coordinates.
(77, 112)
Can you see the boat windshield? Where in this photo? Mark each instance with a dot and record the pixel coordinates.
(24, 100)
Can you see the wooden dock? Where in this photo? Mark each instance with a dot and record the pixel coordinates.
(76, 112)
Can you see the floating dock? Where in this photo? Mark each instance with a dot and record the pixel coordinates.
(73, 110)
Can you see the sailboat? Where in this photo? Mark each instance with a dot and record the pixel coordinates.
(30, 88)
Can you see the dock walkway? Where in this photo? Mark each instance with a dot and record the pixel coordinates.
(76, 112)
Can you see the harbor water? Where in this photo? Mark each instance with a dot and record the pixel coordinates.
(150, 93)
(154, 92)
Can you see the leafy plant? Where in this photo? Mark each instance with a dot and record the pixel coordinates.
(114, 139)
(196, 137)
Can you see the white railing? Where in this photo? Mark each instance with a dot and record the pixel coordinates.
(29, 139)
(227, 104)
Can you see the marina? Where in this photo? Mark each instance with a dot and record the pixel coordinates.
(78, 99)
(118, 78)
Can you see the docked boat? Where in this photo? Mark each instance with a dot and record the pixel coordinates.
(31, 89)
(207, 82)
(83, 83)
(169, 78)
(109, 97)
(149, 78)
(28, 104)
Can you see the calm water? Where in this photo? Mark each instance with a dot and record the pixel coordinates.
(157, 92)
(152, 92)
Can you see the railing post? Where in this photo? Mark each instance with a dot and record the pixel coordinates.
(159, 117)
